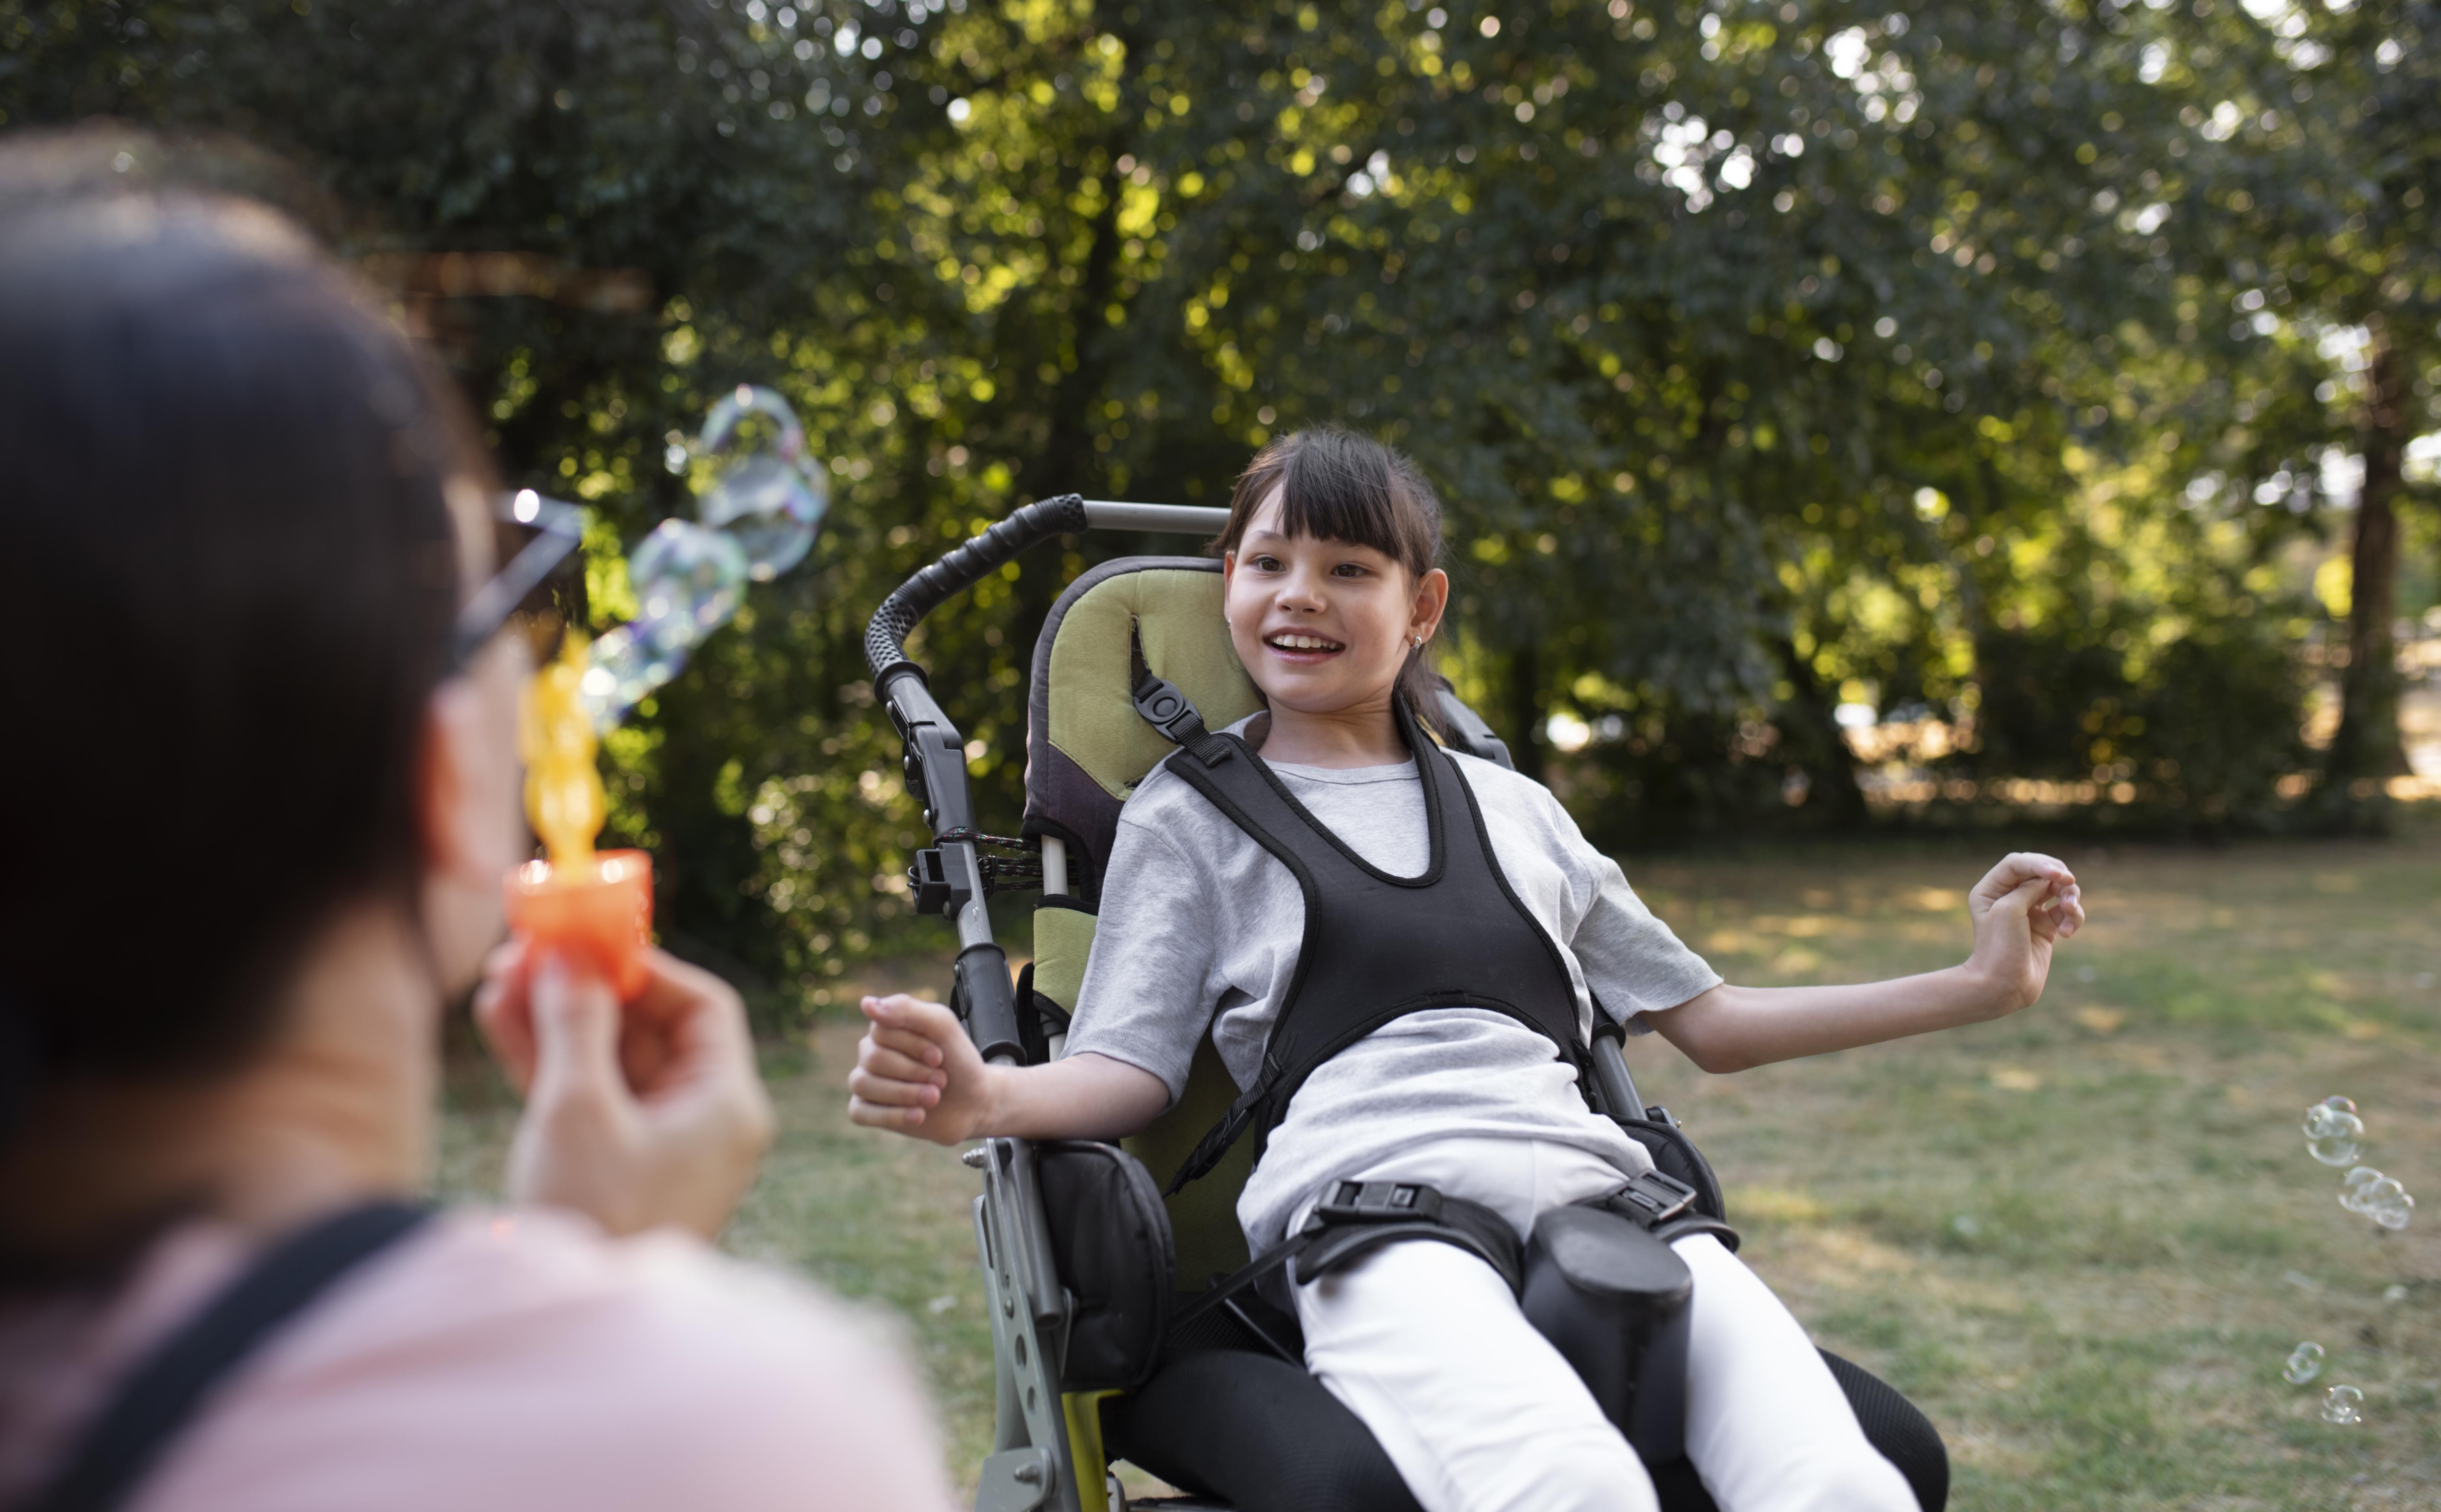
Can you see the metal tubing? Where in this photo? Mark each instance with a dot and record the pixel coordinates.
(1618, 1094)
(1170, 519)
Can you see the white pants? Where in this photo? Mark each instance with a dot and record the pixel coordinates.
(1424, 1342)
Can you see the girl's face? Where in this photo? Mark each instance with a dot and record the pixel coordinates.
(1323, 627)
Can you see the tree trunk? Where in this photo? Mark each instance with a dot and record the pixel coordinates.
(2366, 747)
(1811, 718)
(1526, 712)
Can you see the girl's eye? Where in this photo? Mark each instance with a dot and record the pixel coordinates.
(1348, 569)
(1267, 563)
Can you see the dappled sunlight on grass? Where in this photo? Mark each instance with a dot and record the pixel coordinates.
(2083, 1238)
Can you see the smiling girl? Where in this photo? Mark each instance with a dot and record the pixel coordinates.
(1332, 597)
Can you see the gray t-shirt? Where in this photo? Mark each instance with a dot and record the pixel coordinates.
(1195, 914)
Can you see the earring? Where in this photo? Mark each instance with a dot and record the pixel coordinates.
(1419, 640)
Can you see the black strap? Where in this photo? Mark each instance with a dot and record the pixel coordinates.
(166, 1391)
(1166, 709)
(1355, 1219)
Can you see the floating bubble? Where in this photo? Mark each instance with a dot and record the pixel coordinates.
(2331, 1118)
(2334, 1151)
(2305, 1363)
(688, 581)
(2332, 1131)
(2340, 1405)
(2362, 1184)
(770, 496)
(2397, 1212)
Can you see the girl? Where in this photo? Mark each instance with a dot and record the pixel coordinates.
(1331, 596)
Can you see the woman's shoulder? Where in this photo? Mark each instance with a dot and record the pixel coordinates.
(510, 1358)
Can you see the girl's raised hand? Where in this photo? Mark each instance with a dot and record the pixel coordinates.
(2021, 909)
(917, 1073)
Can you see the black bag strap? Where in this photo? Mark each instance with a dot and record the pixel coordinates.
(170, 1387)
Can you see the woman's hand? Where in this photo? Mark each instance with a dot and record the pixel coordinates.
(636, 1116)
(2022, 908)
(917, 1073)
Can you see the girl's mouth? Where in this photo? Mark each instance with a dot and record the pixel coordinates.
(1296, 646)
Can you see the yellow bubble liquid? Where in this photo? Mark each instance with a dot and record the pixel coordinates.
(564, 797)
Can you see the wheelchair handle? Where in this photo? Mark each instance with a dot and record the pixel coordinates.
(885, 638)
(936, 756)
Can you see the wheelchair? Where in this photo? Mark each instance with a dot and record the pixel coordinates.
(1101, 1351)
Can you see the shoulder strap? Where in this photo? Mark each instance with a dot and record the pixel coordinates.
(1167, 709)
(166, 1390)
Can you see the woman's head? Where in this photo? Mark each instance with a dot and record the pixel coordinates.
(229, 555)
(1333, 592)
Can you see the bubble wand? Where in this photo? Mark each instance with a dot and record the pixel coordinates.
(758, 519)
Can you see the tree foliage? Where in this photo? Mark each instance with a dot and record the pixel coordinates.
(1968, 361)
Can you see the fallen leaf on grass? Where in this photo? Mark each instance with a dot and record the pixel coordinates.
(2362, 1029)
(2015, 1079)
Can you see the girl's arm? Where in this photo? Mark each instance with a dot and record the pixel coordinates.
(2021, 909)
(917, 1073)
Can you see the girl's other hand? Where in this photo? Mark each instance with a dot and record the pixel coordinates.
(639, 1115)
(917, 1073)
(2021, 909)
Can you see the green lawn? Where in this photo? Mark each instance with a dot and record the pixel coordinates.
(2082, 1239)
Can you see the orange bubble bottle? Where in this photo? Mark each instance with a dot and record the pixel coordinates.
(595, 906)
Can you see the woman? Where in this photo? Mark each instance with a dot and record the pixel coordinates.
(257, 801)
(1331, 595)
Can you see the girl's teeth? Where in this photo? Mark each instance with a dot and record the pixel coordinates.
(1302, 643)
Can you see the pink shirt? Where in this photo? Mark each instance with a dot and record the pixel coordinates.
(498, 1360)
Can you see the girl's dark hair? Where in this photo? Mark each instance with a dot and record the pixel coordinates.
(1338, 485)
(228, 571)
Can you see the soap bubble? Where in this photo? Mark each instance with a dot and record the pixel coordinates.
(2340, 1405)
(2377, 1197)
(770, 496)
(2305, 1363)
(688, 582)
(2332, 1130)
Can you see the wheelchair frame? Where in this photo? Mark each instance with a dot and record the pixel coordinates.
(1047, 1445)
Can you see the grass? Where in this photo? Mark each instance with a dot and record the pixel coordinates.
(2084, 1239)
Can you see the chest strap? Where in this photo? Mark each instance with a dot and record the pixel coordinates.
(1376, 948)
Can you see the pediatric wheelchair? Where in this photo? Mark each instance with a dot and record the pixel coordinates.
(1115, 1336)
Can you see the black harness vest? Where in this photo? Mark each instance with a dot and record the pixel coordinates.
(1376, 947)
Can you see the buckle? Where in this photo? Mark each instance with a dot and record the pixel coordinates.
(1166, 710)
(1656, 1198)
(1380, 1203)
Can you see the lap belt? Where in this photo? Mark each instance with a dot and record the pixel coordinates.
(1598, 1279)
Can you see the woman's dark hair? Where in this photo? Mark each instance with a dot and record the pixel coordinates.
(227, 564)
(1338, 485)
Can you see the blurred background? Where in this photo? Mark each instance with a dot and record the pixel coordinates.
(1850, 417)
(1868, 432)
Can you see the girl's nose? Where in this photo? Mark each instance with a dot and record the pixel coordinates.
(1299, 596)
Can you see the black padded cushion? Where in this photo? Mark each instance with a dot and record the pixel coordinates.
(1109, 1237)
(1265, 1436)
(1256, 1432)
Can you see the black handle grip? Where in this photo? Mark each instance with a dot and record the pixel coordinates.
(885, 638)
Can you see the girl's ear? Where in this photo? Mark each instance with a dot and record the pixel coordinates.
(1432, 601)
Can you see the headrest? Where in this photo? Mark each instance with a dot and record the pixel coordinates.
(1086, 746)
